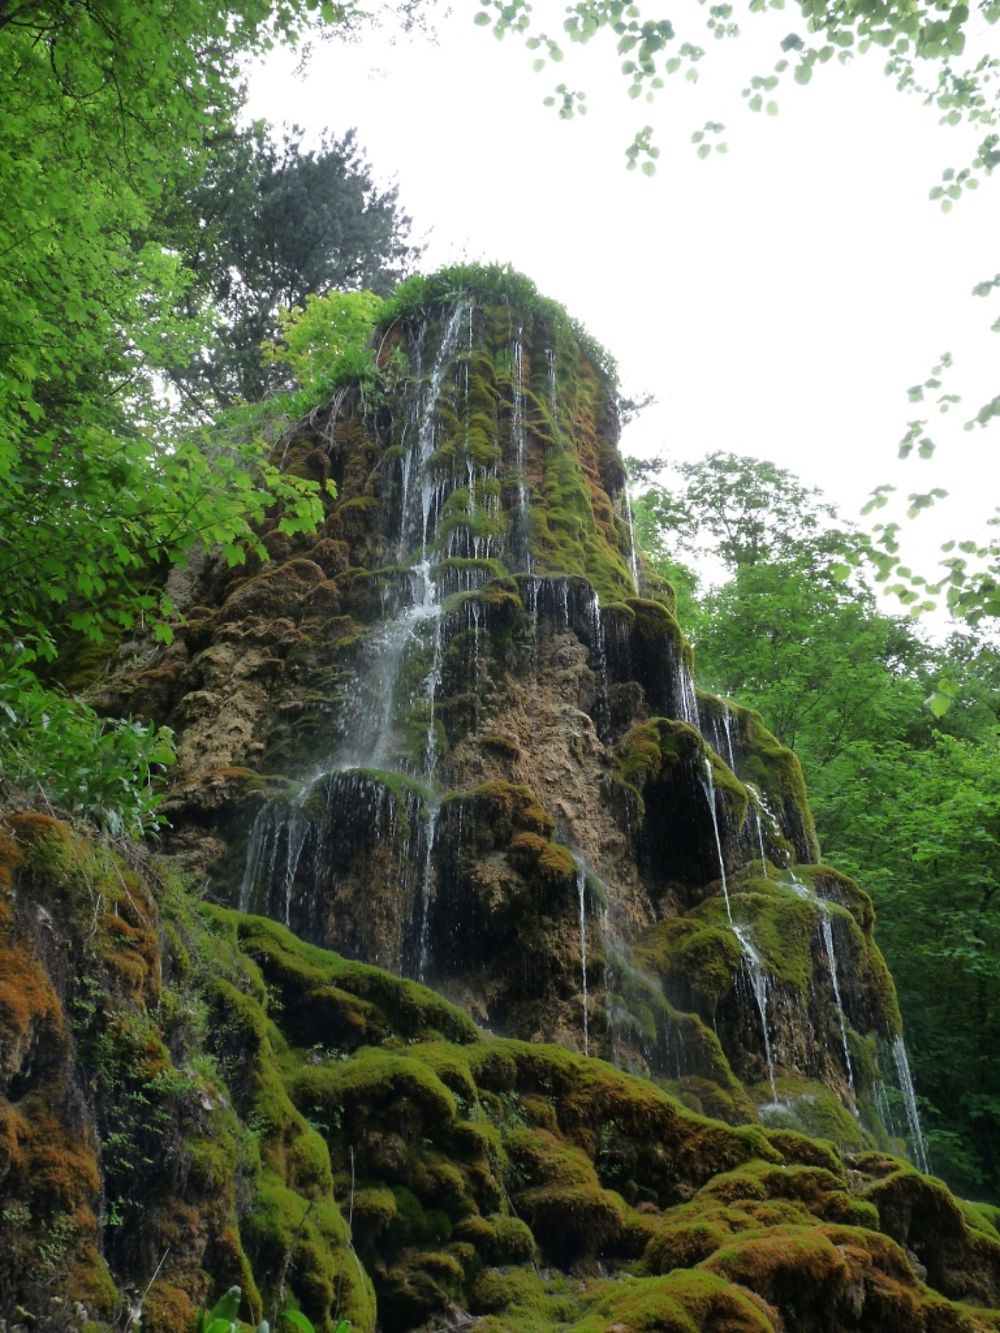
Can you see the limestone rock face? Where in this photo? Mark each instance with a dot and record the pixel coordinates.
(457, 738)
(460, 737)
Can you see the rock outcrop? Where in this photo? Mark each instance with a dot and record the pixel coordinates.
(456, 738)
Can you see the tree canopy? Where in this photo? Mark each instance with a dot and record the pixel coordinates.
(267, 225)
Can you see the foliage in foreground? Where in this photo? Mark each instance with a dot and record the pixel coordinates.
(224, 1317)
(53, 744)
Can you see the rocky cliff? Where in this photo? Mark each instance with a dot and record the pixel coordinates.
(601, 1044)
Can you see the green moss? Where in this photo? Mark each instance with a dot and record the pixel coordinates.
(812, 1109)
(783, 928)
(797, 1148)
(837, 888)
(565, 536)
(375, 1081)
(308, 1240)
(776, 771)
(304, 972)
(374, 1209)
(512, 1289)
(538, 859)
(496, 809)
(683, 1302)
(698, 956)
(513, 1242)
(658, 747)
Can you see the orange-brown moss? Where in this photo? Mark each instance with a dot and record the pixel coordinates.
(27, 997)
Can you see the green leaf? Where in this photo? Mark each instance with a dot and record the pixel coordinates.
(300, 1321)
(939, 703)
(225, 1310)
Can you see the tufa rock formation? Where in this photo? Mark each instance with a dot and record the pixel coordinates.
(489, 978)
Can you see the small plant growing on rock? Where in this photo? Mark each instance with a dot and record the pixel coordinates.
(224, 1317)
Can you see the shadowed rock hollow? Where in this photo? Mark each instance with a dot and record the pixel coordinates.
(457, 739)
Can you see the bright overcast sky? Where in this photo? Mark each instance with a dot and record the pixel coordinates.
(778, 300)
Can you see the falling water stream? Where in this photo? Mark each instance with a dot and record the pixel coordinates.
(802, 890)
(517, 431)
(633, 548)
(686, 696)
(910, 1102)
(827, 930)
(708, 786)
(758, 984)
(581, 889)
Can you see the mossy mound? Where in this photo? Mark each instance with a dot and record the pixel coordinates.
(247, 1093)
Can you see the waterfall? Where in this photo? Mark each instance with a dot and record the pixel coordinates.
(517, 431)
(262, 851)
(533, 586)
(417, 484)
(757, 801)
(475, 611)
(708, 786)
(884, 1108)
(431, 607)
(686, 696)
(371, 705)
(831, 958)
(910, 1102)
(430, 831)
(727, 731)
(633, 549)
(581, 889)
(599, 656)
(550, 357)
(760, 840)
(262, 842)
(802, 890)
(758, 983)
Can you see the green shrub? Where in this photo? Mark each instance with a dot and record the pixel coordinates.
(53, 743)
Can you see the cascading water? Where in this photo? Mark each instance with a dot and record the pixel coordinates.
(686, 697)
(708, 786)
(910, 1102)
(758, 984)
(518, 434)
(802, 890)
(727, 731)
(599, 656)
(581, 889)
(884, 1108)
(757, 802)
(413, 616)
(418, 483)
(826, 928)
(633, 546)
(550, 358)
(430, 830)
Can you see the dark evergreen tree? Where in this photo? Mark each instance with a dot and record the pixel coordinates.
(269, 224)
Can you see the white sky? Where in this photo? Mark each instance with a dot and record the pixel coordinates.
(778, 300)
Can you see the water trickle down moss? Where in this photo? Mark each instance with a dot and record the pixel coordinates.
(777, 773)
